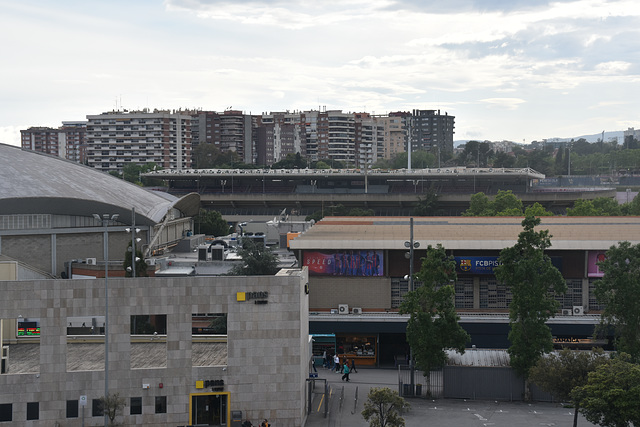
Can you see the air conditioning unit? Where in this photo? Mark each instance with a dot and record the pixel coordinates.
(566, 312)
(343, 308)
(357, 310)
(578, 310)
(334, 311)
(91, 261)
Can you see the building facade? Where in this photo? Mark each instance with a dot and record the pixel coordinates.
(54, 372)
(359, 271)
(119, 138)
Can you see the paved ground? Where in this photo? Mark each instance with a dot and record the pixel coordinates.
(345, 412)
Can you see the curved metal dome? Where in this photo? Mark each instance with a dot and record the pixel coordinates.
(35, 183)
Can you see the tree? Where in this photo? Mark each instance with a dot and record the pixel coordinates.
(292, 161)
(600, 206)
(382, 408)
(480, 205)
(112, 405)
(504, 204)
(433, 324)
(530, 275)
(619, 291)
(211, 223)
(537, 210)
(426, 205)
(610, 397)
(560, 373)
(257, 260)
(141, 265)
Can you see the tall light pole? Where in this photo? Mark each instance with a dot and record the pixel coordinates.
(106, 218)
(411, 245)
(133, 230)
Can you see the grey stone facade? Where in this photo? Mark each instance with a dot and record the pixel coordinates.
(267, 347)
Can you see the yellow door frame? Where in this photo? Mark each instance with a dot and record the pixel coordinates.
(191, 395)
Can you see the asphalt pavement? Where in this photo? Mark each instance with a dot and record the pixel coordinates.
(346, 402)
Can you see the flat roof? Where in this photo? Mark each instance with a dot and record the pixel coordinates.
(466, 233)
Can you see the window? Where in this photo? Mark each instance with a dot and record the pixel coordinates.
(135, 406)
(33, 410)
(6, 412)
(96, 408)
(161, 404)
(72, 409)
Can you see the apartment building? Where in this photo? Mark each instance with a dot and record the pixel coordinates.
(118, 138)
(432, 131)
(67, 141)
(278, 135)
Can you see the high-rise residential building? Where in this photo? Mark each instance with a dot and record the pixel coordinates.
(432, 131)
(41, 139)
(230, 130)
(118, 138)
(73, 140)
(278, 135)
(368, 134)
(341, 143)
(67, 141)
(395, 127)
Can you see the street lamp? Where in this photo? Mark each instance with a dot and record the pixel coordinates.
(106, 218)
(411, 245)
(133, 230)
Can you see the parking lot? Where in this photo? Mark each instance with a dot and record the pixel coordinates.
(345, 409)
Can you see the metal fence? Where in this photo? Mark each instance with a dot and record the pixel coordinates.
(468, 382)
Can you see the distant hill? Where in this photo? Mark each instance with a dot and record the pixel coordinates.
(608, 136)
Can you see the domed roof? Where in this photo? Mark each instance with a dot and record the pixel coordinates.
(35, 183)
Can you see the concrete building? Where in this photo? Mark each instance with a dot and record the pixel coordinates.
(54, 374)
(67, 141)
(432, 131)
(47, 206)
(278, 135)
(230, 130)
(118, 138)
(358, 271)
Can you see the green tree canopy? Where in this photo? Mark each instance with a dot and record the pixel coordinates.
(612, 394)
(256, 261)
(619, 291)
(427, 205)
(207, 155)
(382, 408)
(211, 223)
(141, 265)
(600, 206)
(533, 280)
(560, 373)
(291, 161)
(433, 323)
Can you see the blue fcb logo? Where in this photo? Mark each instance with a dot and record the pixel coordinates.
(465, 264)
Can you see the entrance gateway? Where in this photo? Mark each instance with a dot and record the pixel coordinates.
(210, 409)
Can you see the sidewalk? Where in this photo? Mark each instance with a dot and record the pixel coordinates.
(346, 412)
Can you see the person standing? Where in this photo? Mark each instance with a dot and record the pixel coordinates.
(345, 371)
(336, 362)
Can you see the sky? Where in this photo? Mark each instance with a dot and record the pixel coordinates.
(518, 70)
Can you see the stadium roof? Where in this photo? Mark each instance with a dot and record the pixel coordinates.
(35, 183)
(465, 233)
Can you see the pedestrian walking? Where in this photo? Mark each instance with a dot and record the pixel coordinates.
(345, 372)
(336, 361)
(353, 366)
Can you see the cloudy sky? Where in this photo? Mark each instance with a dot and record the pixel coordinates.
(519, 70)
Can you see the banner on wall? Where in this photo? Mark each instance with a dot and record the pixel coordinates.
(354, 263)
(487, 264)
(592, 267)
